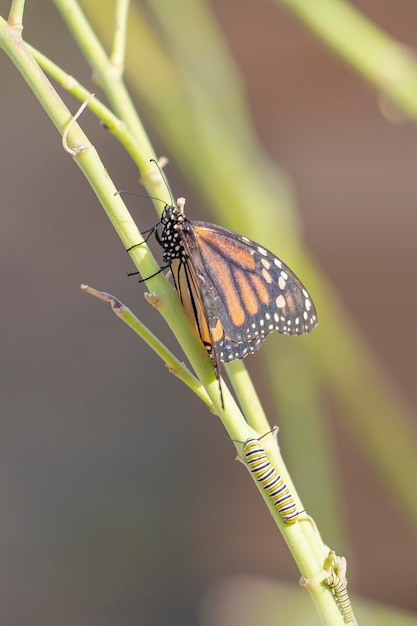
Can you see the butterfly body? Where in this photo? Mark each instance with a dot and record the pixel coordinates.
(235, 291)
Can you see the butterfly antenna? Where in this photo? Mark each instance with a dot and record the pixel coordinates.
(165, 180)
(136, 193)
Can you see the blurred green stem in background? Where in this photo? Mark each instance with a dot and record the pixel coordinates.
(215, 146)
(384, 62)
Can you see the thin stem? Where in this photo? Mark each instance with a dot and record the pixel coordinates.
(16, 13)
(118, 52)
(174, 365)
(247, 396)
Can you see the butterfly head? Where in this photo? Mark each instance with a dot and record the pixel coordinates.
(173, 213)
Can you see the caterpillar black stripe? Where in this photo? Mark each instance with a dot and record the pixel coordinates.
(340, 592)
(260, 466)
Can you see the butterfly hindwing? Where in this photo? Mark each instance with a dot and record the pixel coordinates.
(246, 291)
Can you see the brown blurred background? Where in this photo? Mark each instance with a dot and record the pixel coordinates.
(105, 521)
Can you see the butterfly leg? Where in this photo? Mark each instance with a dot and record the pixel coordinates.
(150, 231)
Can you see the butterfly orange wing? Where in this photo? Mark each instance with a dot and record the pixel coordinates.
(241, 291)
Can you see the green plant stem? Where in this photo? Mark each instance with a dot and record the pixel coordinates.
(117, 57)
(16, 13)
(380, 59)
(109, 79)
(247, 396)
(174, 365)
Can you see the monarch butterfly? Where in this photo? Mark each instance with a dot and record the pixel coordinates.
(233, 290)
(260, 466)
(340, 592)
